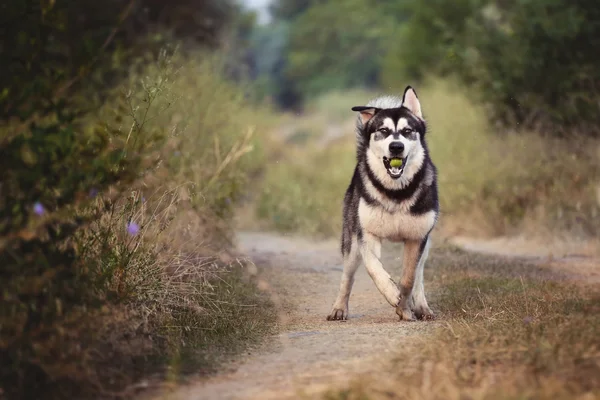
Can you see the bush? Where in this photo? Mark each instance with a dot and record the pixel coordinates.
(534, 62)
(116, 204)
(109, 231)
(49, 170)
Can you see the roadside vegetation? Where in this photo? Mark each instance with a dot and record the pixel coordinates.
(506, 330)
(510, 94)
(490, 184)
(120, 171)
(517, 149)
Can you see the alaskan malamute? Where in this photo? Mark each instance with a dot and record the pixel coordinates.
(393, 195)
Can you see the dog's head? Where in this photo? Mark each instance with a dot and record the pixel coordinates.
(393, 135)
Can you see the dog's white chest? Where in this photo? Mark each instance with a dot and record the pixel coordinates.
(396, 226)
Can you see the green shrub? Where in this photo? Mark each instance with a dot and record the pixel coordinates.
(51, 169)
(110, 227)
(536, 63)
(533, 62)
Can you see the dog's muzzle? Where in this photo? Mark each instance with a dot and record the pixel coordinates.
(391, 166)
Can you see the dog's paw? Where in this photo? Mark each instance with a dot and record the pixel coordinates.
(338, 314)
(424, 313)
(405, 314)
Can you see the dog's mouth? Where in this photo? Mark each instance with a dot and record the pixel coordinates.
(394, 166)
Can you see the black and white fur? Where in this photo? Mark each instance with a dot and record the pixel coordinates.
(397, 204)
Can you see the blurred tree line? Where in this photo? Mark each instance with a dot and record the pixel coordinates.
(534, 62)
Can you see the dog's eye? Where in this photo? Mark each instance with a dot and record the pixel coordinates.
(406, 131)
(384, 130)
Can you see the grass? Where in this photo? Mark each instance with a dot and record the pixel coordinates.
(314, 153)
(490, 183)
(506, 329)
(516, 333)
(198, 302)
(148, 286)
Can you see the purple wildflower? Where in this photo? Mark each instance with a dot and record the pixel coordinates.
(38, 208)
(527, 320)
(133, 228)
(93, 192)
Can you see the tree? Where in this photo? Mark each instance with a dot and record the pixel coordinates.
(533, 61)
(270, 44)
(47, 46)
(337, 45)
(289, 10)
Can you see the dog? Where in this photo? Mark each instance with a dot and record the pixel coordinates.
(393, 195)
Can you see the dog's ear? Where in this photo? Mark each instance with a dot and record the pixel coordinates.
(366, 113)
(411, 101)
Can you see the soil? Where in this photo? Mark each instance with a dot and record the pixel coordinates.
(311, 354)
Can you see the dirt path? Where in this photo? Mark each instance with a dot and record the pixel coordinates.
(580, 261)
(311, 354)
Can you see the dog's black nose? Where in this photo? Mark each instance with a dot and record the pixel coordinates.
(396, 147)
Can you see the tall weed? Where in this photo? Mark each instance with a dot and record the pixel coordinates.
(115, 265)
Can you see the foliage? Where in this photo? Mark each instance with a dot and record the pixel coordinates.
(559, 38)
(501, 48)
(336, 46)
(50, 173)
(425, 41)
(488, 184)
(116, 193)
(49, 46)
(269, 46)
(289, 9)
(314, 46)
(239, 65)
(108, 244)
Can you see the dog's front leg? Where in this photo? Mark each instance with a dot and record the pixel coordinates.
(420, 306)
(351, 262)
(412, 255)
(370, 249)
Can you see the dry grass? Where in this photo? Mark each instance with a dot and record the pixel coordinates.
(311, 154)
(510, 180)
(198, 303)
(163, 293)
(490, 183)
(505, 332)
